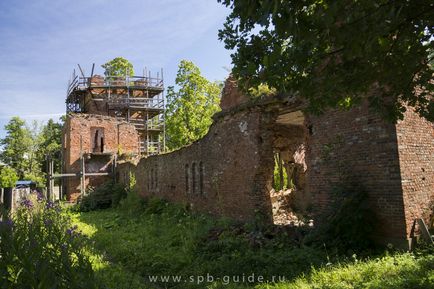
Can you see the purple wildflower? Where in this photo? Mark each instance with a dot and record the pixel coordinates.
(72, 231)
(50, 205)
(27, 203)
(40, 196)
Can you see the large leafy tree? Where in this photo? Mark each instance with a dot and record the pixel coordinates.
(49, 143)
(33, 169)
(333, 53)
(16, 146)
(190, 108)
(118, 66)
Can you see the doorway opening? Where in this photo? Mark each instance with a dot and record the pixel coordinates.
(290, 202)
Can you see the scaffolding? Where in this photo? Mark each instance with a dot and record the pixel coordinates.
(138, 100)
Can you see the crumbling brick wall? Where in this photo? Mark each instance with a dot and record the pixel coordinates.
(79, 137)
(229, 172)
(231, 95)
(225, 173)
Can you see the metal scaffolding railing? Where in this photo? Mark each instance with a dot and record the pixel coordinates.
(137, 99)
(135, 102)
(136, 82)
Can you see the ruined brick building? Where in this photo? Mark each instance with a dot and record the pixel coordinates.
(230, 171)
(109, 118)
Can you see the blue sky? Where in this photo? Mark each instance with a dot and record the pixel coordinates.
(42, 41)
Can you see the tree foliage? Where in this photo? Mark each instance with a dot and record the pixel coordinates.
(333, 53)
(16, 145)
(8, 177)
(190, 108)
(118, 66)
(25, 149)
(49, 143)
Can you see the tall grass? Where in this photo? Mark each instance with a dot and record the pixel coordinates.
(155, 238)
(41, 246)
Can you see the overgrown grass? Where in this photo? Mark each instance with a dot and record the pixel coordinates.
(138, 240)
(167, 240)
(154, 244)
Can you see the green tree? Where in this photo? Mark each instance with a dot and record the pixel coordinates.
(25, 148)
(33, 170)
(118, 66)
(190, 108)
(8, 177)
(16, 146)
(49, 143)
(333, 53)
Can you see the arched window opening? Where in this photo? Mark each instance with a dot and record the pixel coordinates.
(194, 178)
(187, 179)
(201, 178)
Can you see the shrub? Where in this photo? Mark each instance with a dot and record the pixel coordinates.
(8, 177)
(132, 204)
(40, 249)
(350, 222)
(105, 196)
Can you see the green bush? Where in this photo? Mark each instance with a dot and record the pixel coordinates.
(39, 248)
(105, 196)
(8, 177)
(349, 224)
(132, 204)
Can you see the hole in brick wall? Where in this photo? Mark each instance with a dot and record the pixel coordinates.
(288, 195)
(102, 144)
(97, 137)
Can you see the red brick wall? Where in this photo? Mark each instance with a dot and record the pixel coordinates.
(416, 159)
(356, 146)
(231, 96)
(236, 161)
(394, 163)
(117, 136)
